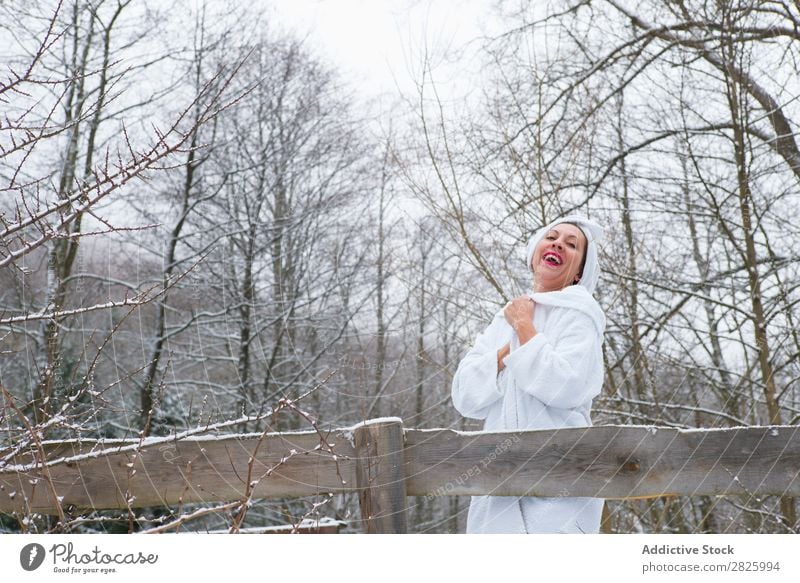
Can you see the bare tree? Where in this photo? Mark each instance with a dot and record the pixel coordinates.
(50, 213)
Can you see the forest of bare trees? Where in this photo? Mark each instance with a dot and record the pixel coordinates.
(204, 225)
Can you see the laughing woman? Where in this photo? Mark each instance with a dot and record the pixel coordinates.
(538, 365)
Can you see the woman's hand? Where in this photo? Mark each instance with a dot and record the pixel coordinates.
(519, 311)
(501, 354)
(519, 314)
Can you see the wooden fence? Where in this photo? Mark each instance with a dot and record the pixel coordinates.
(384, 463)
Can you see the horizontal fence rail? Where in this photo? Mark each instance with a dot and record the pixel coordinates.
(97, 474)
(384, 462)
(605, 462)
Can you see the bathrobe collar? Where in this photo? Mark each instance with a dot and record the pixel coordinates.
(573, 297)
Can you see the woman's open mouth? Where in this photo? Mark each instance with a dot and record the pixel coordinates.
(552, 258)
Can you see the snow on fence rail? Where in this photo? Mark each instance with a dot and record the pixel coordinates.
(384, 462)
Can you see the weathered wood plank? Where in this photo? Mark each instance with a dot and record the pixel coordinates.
(605, 462)
(379, 471)
(186, 471)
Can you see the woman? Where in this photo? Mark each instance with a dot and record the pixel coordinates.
(538, 365)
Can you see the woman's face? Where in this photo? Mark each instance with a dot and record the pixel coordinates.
(557, 257)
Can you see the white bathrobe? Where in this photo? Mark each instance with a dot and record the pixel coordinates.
(548, 382)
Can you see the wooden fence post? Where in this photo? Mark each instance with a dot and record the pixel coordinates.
(380, 476)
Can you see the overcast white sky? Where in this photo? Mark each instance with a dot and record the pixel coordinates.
(380, 42)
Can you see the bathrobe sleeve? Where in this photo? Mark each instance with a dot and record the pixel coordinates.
(475, 387)
(563, 372)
